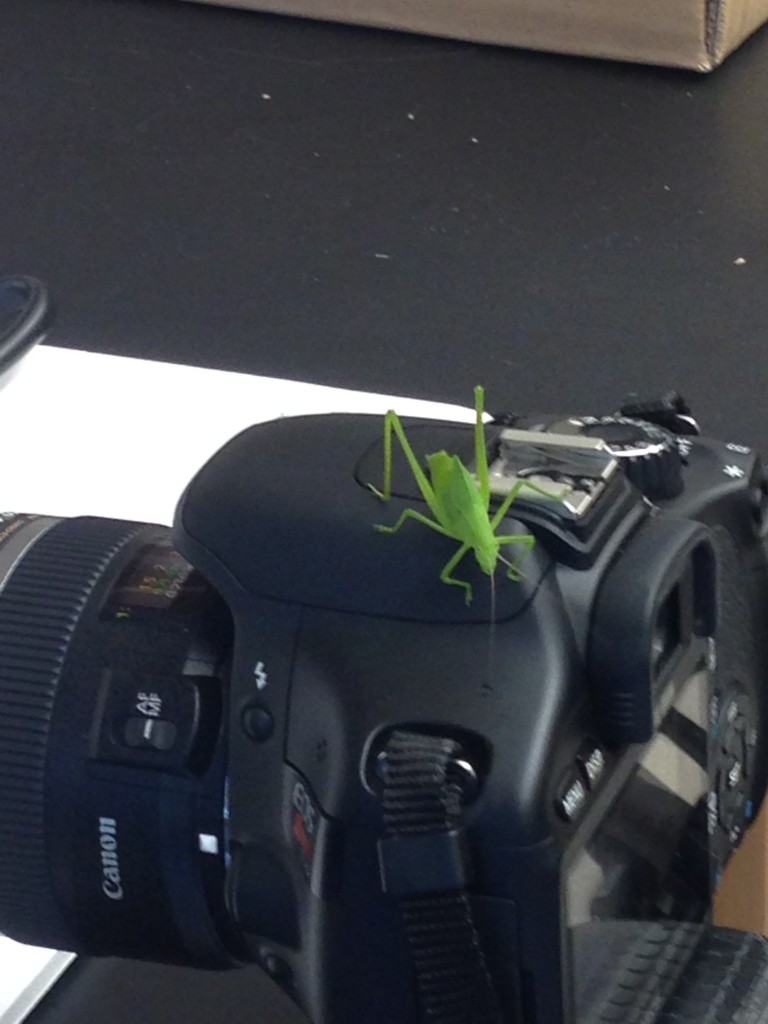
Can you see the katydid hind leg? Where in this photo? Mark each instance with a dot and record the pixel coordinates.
(386, 492)
(392, 425)
(481, 453)
(411, 513)
(524, 540)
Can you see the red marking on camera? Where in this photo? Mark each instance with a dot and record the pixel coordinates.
(300, 834)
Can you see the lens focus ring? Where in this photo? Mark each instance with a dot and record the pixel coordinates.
(40, 606)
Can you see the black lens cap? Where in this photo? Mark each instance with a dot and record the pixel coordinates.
(25, 313)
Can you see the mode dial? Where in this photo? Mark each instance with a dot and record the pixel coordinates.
(649, 455)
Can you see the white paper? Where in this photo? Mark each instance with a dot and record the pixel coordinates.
(88, 434)
(26, 974)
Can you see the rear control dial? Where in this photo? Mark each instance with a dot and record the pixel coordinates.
(649, 455)
(733, 755)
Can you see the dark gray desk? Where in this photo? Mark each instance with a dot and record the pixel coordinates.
(349, 229)
(384, 212)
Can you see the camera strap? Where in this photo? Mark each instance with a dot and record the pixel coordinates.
(423, 864)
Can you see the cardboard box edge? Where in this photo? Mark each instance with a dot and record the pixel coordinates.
(733, 22)
(740, 901)
(697, 57)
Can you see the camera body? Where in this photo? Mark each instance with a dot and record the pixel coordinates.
(608, 711)
(343, 634)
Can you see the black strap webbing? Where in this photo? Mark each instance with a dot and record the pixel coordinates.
(423, 864)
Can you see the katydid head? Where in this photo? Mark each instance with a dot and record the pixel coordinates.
(487, 553)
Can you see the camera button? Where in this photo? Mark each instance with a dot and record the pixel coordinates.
(149, 733)
(275, 967)
(571, 798)
(258, 723)
(151, 721)
(590, 760)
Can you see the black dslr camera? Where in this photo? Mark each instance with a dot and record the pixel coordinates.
(273, 735)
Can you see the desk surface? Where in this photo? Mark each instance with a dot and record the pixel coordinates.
(388, 212)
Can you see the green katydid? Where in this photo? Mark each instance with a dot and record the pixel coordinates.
(459, 501)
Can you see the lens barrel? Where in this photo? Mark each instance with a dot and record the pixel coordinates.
(113, 656)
